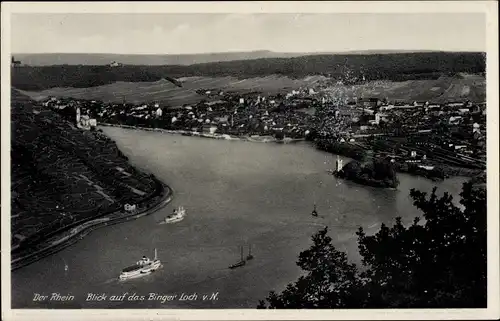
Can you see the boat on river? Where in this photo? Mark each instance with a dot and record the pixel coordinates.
(142, 267)
(240, 263)
(249, 256)
(177, 216)
(314, 212)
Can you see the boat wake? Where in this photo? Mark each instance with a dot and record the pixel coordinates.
(113, 280)
(315, 224)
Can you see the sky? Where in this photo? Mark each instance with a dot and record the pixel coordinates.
(205, 33)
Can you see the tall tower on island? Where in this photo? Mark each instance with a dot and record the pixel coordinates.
(339, 164)
(77, 116)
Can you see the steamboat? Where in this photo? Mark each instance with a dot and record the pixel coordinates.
(142, 267)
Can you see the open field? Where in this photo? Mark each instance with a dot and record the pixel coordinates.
(472, 87)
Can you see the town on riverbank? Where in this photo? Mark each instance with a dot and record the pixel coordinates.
(424, 138)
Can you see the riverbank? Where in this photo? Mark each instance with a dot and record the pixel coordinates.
(342, 149)
(71, 236)
(434, 170)
(368, 181)
(252, 138)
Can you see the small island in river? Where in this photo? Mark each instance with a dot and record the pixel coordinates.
(378, 173)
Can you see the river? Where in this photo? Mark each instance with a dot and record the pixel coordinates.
(236, 193)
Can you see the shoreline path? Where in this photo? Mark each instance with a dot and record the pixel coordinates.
(71, 236)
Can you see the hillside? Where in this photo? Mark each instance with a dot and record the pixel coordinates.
(165, 92)
(62, 176)
(396, 67)
(466, 87)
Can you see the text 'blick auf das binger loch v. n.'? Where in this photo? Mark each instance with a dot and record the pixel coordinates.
(101, 297)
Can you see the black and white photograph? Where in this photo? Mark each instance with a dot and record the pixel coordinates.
(250, 157)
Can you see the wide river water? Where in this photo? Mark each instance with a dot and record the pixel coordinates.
(236, 194)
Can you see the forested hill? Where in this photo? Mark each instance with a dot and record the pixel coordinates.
(393, 66)
(145, 59)
(49, 59)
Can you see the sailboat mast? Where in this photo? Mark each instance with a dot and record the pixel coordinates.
(156, 257)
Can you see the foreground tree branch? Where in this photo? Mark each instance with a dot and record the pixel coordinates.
(438, 262)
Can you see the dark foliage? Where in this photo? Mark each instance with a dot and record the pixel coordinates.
(379, 173)
(339, 148)
(437, 264)
(279, 135)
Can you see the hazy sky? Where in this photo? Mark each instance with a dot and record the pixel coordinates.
(197, 33)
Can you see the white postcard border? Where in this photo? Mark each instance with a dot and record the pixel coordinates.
(490, 8)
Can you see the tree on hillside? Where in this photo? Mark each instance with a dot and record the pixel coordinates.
(352, 169)
(279, 135)
(429, 265)
(330, 280)
(385, 170)
(437, 264)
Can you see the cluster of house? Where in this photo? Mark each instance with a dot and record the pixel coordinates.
(225, 114)
(115, 64)
(454, 112)
(453, 132)
(239, 115)
(254, 113)
(290, 114)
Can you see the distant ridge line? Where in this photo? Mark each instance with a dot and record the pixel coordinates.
(54, 59)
